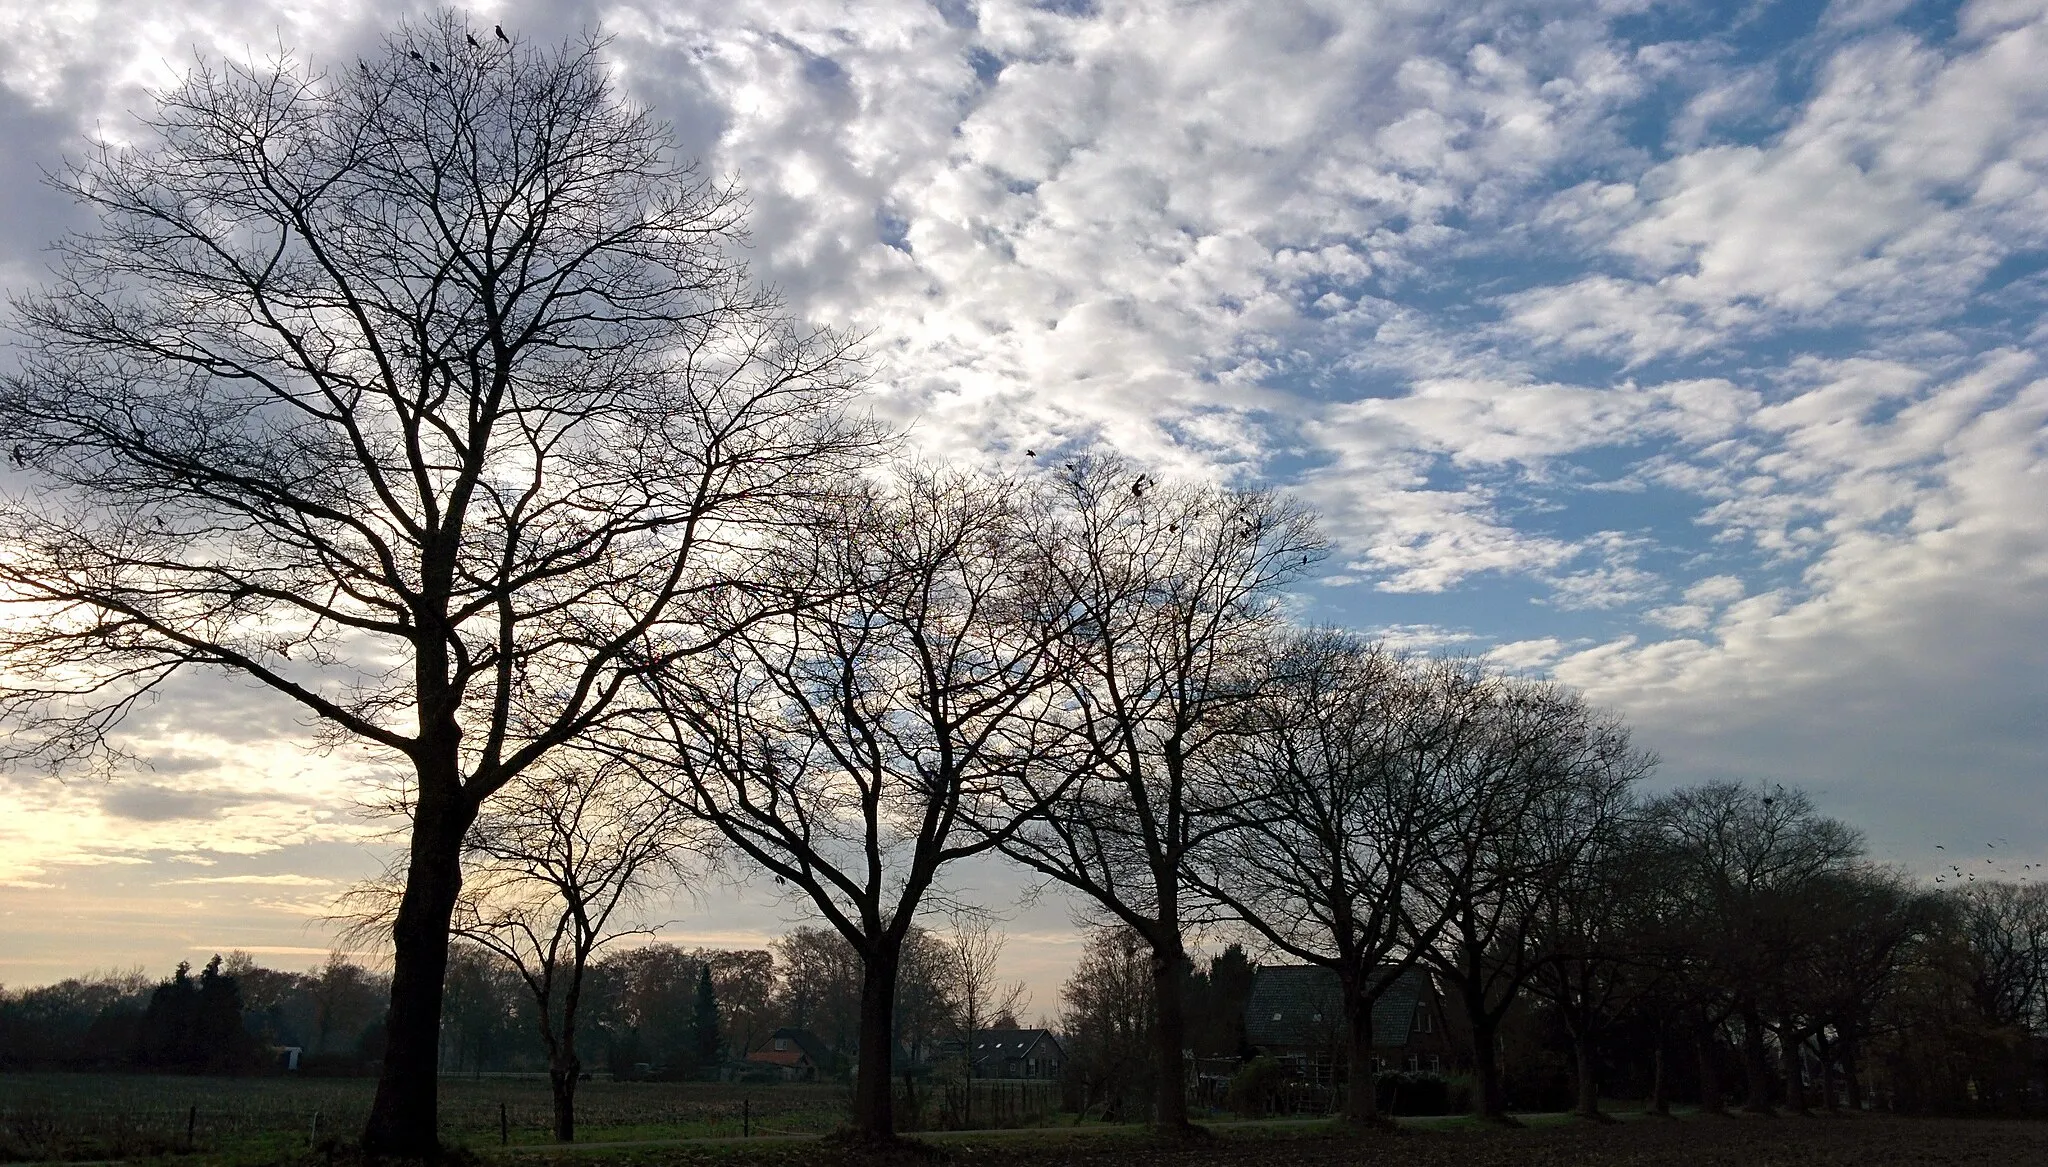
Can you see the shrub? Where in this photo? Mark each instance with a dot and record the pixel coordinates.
(1251, 1088)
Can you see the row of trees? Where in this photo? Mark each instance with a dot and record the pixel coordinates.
(224, 1020)
(680, 1011)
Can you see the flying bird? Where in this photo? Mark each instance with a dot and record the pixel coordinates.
(1031, 453)
(500, 30)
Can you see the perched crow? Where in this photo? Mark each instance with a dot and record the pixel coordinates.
(434, 67)
(500, 30)
(472, 41)
(415, 55)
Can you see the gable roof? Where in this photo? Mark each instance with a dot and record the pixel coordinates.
(1015, 1043)
(803, 1046)
(1302, 1006)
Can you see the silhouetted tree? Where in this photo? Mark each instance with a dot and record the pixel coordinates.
(1750, 858)
(1171, 591)
(1106, 1024)
(1331, 789)
(705, 1033)
(895, 722)
(1543, 782)
(195, 1026)
(424, 392)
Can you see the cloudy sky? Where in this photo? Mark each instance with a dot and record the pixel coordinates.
(1691, 353)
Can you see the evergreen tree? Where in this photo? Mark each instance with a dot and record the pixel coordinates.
(704, 1022)
(165, 1040)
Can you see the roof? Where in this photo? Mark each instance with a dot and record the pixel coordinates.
(1013, 1043)
(1302, 1006)
(803, 1046)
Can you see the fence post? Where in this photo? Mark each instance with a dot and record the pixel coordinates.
(504, 1126)
(314, 1139)
(191, 1125)
(746, 1118)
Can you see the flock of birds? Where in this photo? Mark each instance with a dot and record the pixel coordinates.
(473, 43)
(1957, 873)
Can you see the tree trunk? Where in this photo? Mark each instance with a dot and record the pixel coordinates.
(1361, 1093)
(1790, 1063)
(1826, 1050)
(1852, 1078)
(1755, 1064)
(1712, 1100)
(1169, 1037)
(1487, 1099)
(1660, 1089)
(1582, 1066)
(562, 1081)
(404, 1118)
(874, 1103)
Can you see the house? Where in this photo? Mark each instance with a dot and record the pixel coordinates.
(1013, 1053)
(796, 1053)
(1295, 1014)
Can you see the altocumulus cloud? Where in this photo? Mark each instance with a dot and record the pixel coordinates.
(1690, 353)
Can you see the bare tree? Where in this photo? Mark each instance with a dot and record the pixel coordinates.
(554, 862)
(1173, 593)
(897, 722)
(1869, 925)
(1333, 791)
(1605, 933)
(423, 393)
(1749, 856)
(977, 995)
(1106, 1022)
(1545, 776)
(554, 865)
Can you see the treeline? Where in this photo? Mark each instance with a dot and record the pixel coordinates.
(226, 1019)
(1372, 813)
(1722, 945)
(652, 1010)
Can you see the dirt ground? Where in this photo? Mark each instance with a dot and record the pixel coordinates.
(1853, 1141)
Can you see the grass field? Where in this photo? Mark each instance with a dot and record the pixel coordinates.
(248, 1122)
(114, 1116)
(1823, 1141)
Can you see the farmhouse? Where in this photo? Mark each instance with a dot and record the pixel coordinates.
(1295, 1014)
(1013, 1053)
(797, 1053)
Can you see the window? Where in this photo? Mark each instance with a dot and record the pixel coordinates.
(1423, 1023)
(781, 1043)
(1433, 1063)
(1276, 1017)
